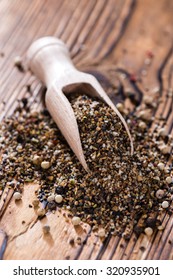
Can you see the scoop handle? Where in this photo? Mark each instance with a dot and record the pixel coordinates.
(49, 58)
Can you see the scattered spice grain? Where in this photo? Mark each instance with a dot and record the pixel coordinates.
(58, 198)
(35, 203)
(17, 196)
(36, 160)
(76, 221)
(18, 63)
(41, 212)
(169, 180)
(161, 227)
(148, 231)
(120, 188)
(79, 240)
(46, 229)
(160, 194)
(65, 230)
(72, 242)
(51, 198)
(51, 205)
(45, 164)
(142, 248)
(101, 233)
(165, 204)
(161, 166)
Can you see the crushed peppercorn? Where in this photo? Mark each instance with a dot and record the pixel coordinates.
(119, 191)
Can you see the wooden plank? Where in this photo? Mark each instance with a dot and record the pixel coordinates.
(113, 38)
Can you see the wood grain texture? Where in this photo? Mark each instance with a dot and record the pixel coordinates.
(109, 39)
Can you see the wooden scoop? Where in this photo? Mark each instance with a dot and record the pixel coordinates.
(49, 60)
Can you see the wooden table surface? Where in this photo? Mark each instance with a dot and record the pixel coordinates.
(109, 38)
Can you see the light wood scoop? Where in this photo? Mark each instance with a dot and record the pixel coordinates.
(49, 59)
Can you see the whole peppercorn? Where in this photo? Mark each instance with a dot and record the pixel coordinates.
(162, 132)
(58, 198)
(72, 181)
(142, 125)
(35, 202)
(76, 221)
(165, 204)
(101, 232)
(165, 149)
(18, 62)
(71, 242)
(148, 231)
(161, 166)
(151, 222)
(160, 193)
(46, 229)
(45, 164)
(120, 107)
(36, 160)
(41, 212)
(51, 198)
(169, 180)
(51, 205)
(17, 195)
(161, 227)
(59, 190)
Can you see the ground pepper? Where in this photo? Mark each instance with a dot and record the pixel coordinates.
(119, 194)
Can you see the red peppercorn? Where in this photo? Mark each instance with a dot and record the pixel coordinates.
(149, 54)
(133, 78)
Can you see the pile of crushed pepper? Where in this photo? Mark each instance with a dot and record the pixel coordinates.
(121, 194)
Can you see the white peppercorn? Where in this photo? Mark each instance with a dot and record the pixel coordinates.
(35, 202)
(165, 204)
(169, 180)
(41, 212)
(45, 164)
(161, 166)
(51, 198)
(36, 159)
(17, 195)
(160, 193)
(148, 231)
(76, 221)
(101, 232)
(58, 198)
